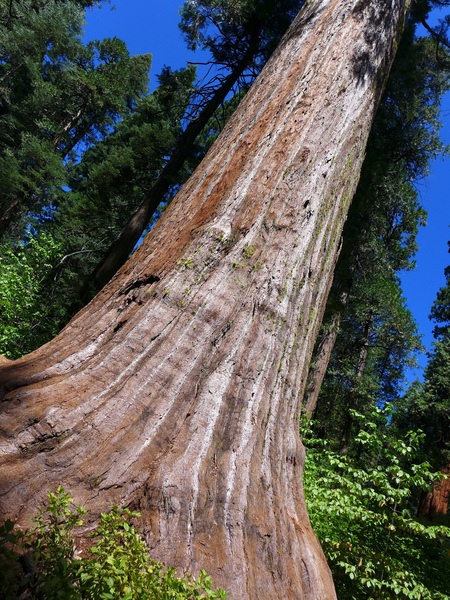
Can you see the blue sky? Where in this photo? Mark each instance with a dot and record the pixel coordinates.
(151, 26)
(147, 26)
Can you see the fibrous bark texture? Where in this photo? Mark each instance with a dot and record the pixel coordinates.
(177, 390)
(436, 502)
(121, 248)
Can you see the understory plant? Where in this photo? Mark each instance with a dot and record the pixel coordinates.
(26, 268)
(43, 562)
(362, 507)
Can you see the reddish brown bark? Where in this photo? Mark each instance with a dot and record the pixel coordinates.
(121, 248)
(436, 502)
(177, 390)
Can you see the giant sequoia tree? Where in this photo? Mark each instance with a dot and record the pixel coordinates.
(177, 389)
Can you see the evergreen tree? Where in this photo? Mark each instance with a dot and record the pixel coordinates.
(376, 335)
(105, 185)
(232, 29)
(426, 404)
(57, 97)
(440, 311)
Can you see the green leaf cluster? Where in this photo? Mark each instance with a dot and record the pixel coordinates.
(361, 507)
(25, 272)
(44, 562)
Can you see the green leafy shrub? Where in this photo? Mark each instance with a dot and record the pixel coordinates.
(25, 270)
(41, 563)
(361, 508)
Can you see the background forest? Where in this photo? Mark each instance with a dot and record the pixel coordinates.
(90, 158)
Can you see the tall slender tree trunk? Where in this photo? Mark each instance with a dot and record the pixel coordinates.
(6, 217)
(321, 358)
(177, 390)
(353, 393)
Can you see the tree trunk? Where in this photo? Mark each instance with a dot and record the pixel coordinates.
(321, 358)
(353, 394)
(436, 502)
(121, 248)
(177, 390)
(14, 207)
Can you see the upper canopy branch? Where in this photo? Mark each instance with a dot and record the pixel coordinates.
(438, 35)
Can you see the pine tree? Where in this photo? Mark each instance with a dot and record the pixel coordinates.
(426, 405)
(369, 337)
(57, 96)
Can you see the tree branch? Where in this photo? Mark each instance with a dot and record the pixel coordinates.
(437, 35)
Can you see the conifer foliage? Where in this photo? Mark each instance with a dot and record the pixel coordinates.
(374, 335)
(426, 405)
(57, 94)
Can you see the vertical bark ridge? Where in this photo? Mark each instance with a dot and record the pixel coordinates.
(178, 389)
